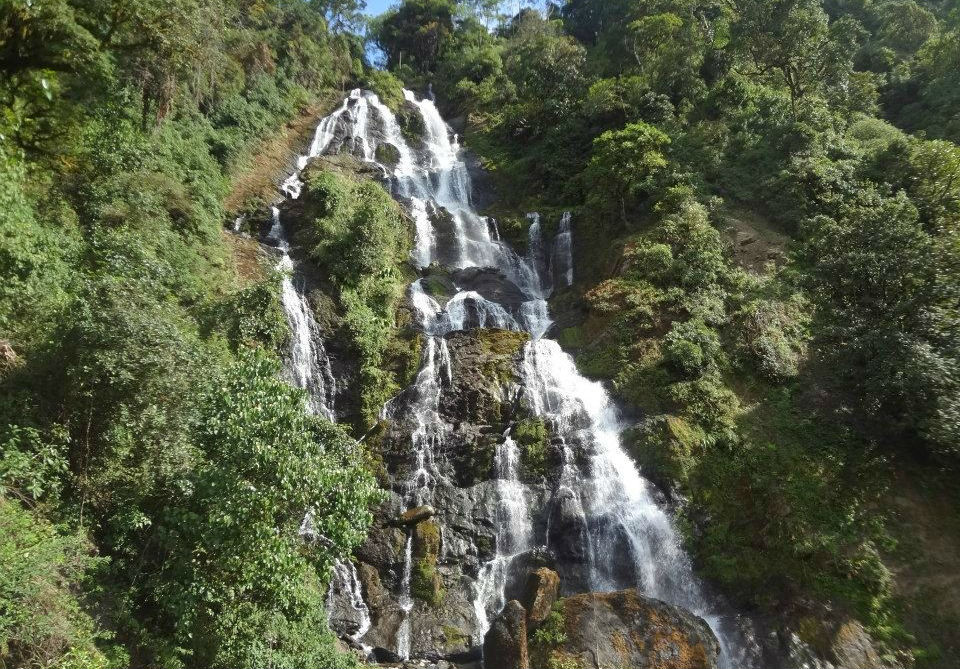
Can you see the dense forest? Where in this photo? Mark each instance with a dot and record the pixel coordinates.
(765, 197)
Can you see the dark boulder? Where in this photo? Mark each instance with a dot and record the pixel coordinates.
(505, 645)
(492, 285)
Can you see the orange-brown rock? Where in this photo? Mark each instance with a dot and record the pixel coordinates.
(625, 629)
(541, 593)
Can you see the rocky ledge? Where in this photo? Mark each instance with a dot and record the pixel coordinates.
(604, 631)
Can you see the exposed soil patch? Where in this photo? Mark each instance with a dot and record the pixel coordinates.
(926, 563)
(250, 262)
(256, 180)
(756, 243)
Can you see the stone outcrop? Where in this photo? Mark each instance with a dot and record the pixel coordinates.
(505, 645)
(415, 516)
(626, 629)
(543, 586)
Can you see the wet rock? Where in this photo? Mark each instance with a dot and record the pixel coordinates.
(505, 645)
(491, 284)
(543, 586)
(626, 629)
(568, 528)
(384, 655)
(415, 516)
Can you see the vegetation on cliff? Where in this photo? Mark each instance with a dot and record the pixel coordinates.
(779, 396)
(154, 470)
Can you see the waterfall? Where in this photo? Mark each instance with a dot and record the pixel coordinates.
(345, 584)
(406, 601)
(308, 365)
(626, 539)
(514, 535)
(561, 261)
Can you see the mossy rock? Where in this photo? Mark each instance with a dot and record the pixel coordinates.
(665, 448)
(426, 540)
(387, 154)
(411, 123)
(454, 638)
(426, 584)
(532, 436)
(502, 342)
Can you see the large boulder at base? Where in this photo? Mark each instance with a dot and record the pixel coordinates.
(625, 629)
(505, 645)
(543, 585)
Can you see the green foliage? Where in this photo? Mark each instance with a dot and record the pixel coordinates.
(359, 235)
(237, 569)
(804, 502)
(254, 316)
(624, 165)
(121, 125)
(387, 86)
(417, 33)
(42, 622)
(552, 632)
(888, 290)
(547, 639)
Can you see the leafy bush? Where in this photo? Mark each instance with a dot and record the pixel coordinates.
(42, 622)
(240, 564)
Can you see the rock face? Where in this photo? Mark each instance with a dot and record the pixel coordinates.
(415, 516)
(543, 585)
(505, 645)
(625, 629)
(454, 535)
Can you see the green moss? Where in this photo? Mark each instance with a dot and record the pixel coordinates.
(411, 124)
(426, 583)
(502, 342)
(387, 154)
(454, 637)
(434, 286)
(572, 337)
(664, 447)
(532, 436)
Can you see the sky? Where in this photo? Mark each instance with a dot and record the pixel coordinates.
(375, 7)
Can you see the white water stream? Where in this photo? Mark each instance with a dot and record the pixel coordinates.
(629, 540)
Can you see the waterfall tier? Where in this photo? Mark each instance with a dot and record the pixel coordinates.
(517, 455)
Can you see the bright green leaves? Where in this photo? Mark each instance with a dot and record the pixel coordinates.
(238, 569)
(625, 164)
(360, 237)
(42, 623)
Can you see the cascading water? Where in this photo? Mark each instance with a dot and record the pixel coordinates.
(308, 364)
(345, 585)
(628, 540)
(561, 262)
